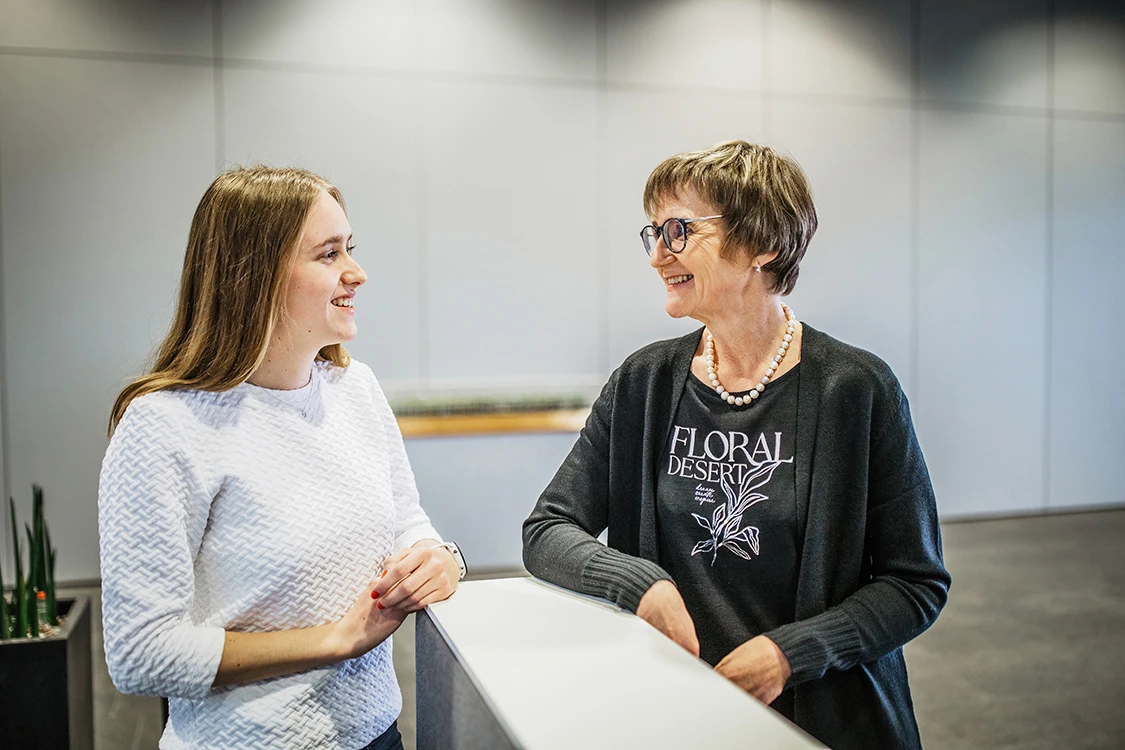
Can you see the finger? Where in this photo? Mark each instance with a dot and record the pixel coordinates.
(426, 595)
(395, 557)
(412, 584)
(405, 562)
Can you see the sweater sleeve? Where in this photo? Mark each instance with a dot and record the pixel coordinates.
(907, 583)
(559, 537)
(152, 511)
(412, 525)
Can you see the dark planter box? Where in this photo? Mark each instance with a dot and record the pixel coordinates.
(46, 689)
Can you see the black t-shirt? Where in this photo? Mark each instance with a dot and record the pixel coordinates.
(727, 514)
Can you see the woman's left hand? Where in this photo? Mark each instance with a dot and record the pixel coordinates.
(417, 577)
(758, 667)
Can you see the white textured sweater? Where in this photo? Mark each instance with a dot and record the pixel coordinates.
(253, 510)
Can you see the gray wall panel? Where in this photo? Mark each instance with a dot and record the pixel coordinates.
(834, 48)
(700, 43)
(478, 491)
(855, 281)
(100, 172)
(366, 33)
(511, 247)
(509, 38)
(362, 133)
(980, 401)
(134, 26)
(1090, 55)
(1087, 401)
(988, 53)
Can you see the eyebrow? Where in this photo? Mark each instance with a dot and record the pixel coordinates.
(333, 240)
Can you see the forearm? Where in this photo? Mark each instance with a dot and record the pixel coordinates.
(250, 657)
(567, 555)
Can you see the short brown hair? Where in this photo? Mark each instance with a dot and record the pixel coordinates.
(763, 196)
(240, 250)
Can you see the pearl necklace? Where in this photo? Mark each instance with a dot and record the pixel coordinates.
(771, 366)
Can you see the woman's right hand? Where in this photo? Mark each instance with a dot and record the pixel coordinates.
(364, 626)
(663, 608)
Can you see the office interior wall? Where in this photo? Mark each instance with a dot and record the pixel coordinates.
(966, 158)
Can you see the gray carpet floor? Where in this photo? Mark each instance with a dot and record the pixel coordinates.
(1029, 653)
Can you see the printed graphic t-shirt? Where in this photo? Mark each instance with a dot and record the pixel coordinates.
(727, 515)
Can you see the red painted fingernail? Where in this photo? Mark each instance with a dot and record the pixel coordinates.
(384, 573)
(374, 594)
(379, 605)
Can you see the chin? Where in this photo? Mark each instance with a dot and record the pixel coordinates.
(676, 311)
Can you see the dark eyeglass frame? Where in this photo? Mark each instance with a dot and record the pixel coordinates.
(650, 232)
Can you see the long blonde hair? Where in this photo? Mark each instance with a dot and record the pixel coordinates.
(240, 250)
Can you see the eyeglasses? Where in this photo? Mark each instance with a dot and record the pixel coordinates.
(674, 232)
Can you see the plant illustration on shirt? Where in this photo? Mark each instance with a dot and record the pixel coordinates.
(725, 525)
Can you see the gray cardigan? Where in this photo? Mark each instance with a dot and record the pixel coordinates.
(871, 574)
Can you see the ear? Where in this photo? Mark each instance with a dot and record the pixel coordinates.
(762, 259)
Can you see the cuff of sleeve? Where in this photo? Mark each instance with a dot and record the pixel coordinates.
(212, 642)
(827, 641)
(177, 664)
(621, 578)
(410, 537)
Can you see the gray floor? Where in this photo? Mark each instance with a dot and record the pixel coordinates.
(1029, 652)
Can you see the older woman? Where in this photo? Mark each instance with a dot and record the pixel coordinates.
(766, 500)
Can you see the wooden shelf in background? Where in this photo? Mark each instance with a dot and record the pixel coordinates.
(560, 420)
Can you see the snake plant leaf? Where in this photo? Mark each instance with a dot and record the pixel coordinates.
(52, 600)
(5, 618)
(31, 602)
(20, 593)
(39, 527)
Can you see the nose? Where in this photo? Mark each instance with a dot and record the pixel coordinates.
(661, 255)
(354, 275)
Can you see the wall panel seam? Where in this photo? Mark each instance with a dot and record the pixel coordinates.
(5, 465)
(914, 264)
(601, 189)
(219, 85)
(1049, 260)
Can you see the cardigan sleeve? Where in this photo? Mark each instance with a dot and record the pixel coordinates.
(152, 510)
(412, 525)
(906, 583)
(559, 537)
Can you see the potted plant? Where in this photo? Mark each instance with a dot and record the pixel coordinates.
(46, 697)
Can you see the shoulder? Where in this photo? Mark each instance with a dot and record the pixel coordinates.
(171, 407)
(840, 359)
(356, 373)
(848, 371)
(355, 383)
(173, 420)
(665, 354)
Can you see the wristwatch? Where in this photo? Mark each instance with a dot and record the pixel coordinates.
(456, 552)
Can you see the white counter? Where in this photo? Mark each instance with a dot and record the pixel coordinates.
(560, 670)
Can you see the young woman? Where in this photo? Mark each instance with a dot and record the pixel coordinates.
(261, 536)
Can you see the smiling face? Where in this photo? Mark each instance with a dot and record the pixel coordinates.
(701, 284)
(320, 293)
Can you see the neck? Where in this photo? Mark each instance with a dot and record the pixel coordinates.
(746, 335)
(283, 369)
